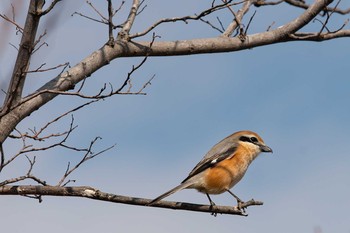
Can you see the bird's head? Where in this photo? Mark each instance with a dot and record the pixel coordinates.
(252, 140)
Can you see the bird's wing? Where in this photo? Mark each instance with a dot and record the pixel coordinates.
(221, 151)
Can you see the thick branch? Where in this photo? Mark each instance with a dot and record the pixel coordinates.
(67, 80)
(26, 48)
(92, 193)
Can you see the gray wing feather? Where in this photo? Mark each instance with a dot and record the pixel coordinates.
(221, 151)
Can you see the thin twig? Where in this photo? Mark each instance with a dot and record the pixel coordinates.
(328, 17)
(250, 20)
(25, 177)
(13, 22)
(52, 5)
(140, 10)
(36, 134)
(119, 8)
(2, 160)
(90, 18)
(134, 68)
(212, 25)
(48, 69)
(185, 18)
(88, 155)
(303, 5)
(97, 11)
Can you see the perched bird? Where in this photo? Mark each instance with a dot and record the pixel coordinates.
(223, 166)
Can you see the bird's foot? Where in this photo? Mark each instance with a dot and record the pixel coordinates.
(241, 206)
(213, 208)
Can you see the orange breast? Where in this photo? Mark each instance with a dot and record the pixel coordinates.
(224, 175)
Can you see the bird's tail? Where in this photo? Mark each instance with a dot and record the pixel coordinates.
(171, 191)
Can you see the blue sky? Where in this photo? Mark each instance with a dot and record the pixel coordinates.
(295, 95)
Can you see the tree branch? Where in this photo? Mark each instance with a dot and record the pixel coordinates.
(68, 79)
(124, 33)
(303, 5)
(237, 18)
(26, 48)
(52, 5)
(92, 193)
(185, 18)
(110, 23)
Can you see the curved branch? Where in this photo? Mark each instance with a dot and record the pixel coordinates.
(67, 80)
(52, 5)
(185, 18)
(92, 193)
(303, 5)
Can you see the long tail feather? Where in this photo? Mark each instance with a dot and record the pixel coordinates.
(171, 191)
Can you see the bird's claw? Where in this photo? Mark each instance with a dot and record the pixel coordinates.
(241, 206)
(213, 208)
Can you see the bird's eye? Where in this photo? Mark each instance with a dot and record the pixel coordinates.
(253, 139)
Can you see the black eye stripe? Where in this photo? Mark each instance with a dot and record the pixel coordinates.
(248, 139)
(244, 139)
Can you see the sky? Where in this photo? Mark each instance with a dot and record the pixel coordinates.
(295, 95)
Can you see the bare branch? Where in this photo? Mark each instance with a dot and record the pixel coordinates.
(15, 89)
(2, 159)
(146, 84)
(270, 26)
(185, 18)
(134, 68)
(119, 8)
(250, 21)
(318, 37)
(328, 16)
(25, 177)
(303, 5)
(97, 11)
(48, 69)
(37, 134)
(12, 21)
(29, 148)
(92, 193)
(52, 5)
(124, 33)
(87, 17)
(101, 57)
(237, 19)
(140, 10)
(37, 42)
(265, 3)
(88, 155)
(110, 23)
(212, 25)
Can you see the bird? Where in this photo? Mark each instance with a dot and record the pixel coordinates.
(223, 166)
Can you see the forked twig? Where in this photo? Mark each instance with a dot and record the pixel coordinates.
(88, 155)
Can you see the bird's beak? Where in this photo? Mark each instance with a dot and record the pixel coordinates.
(265, 148)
